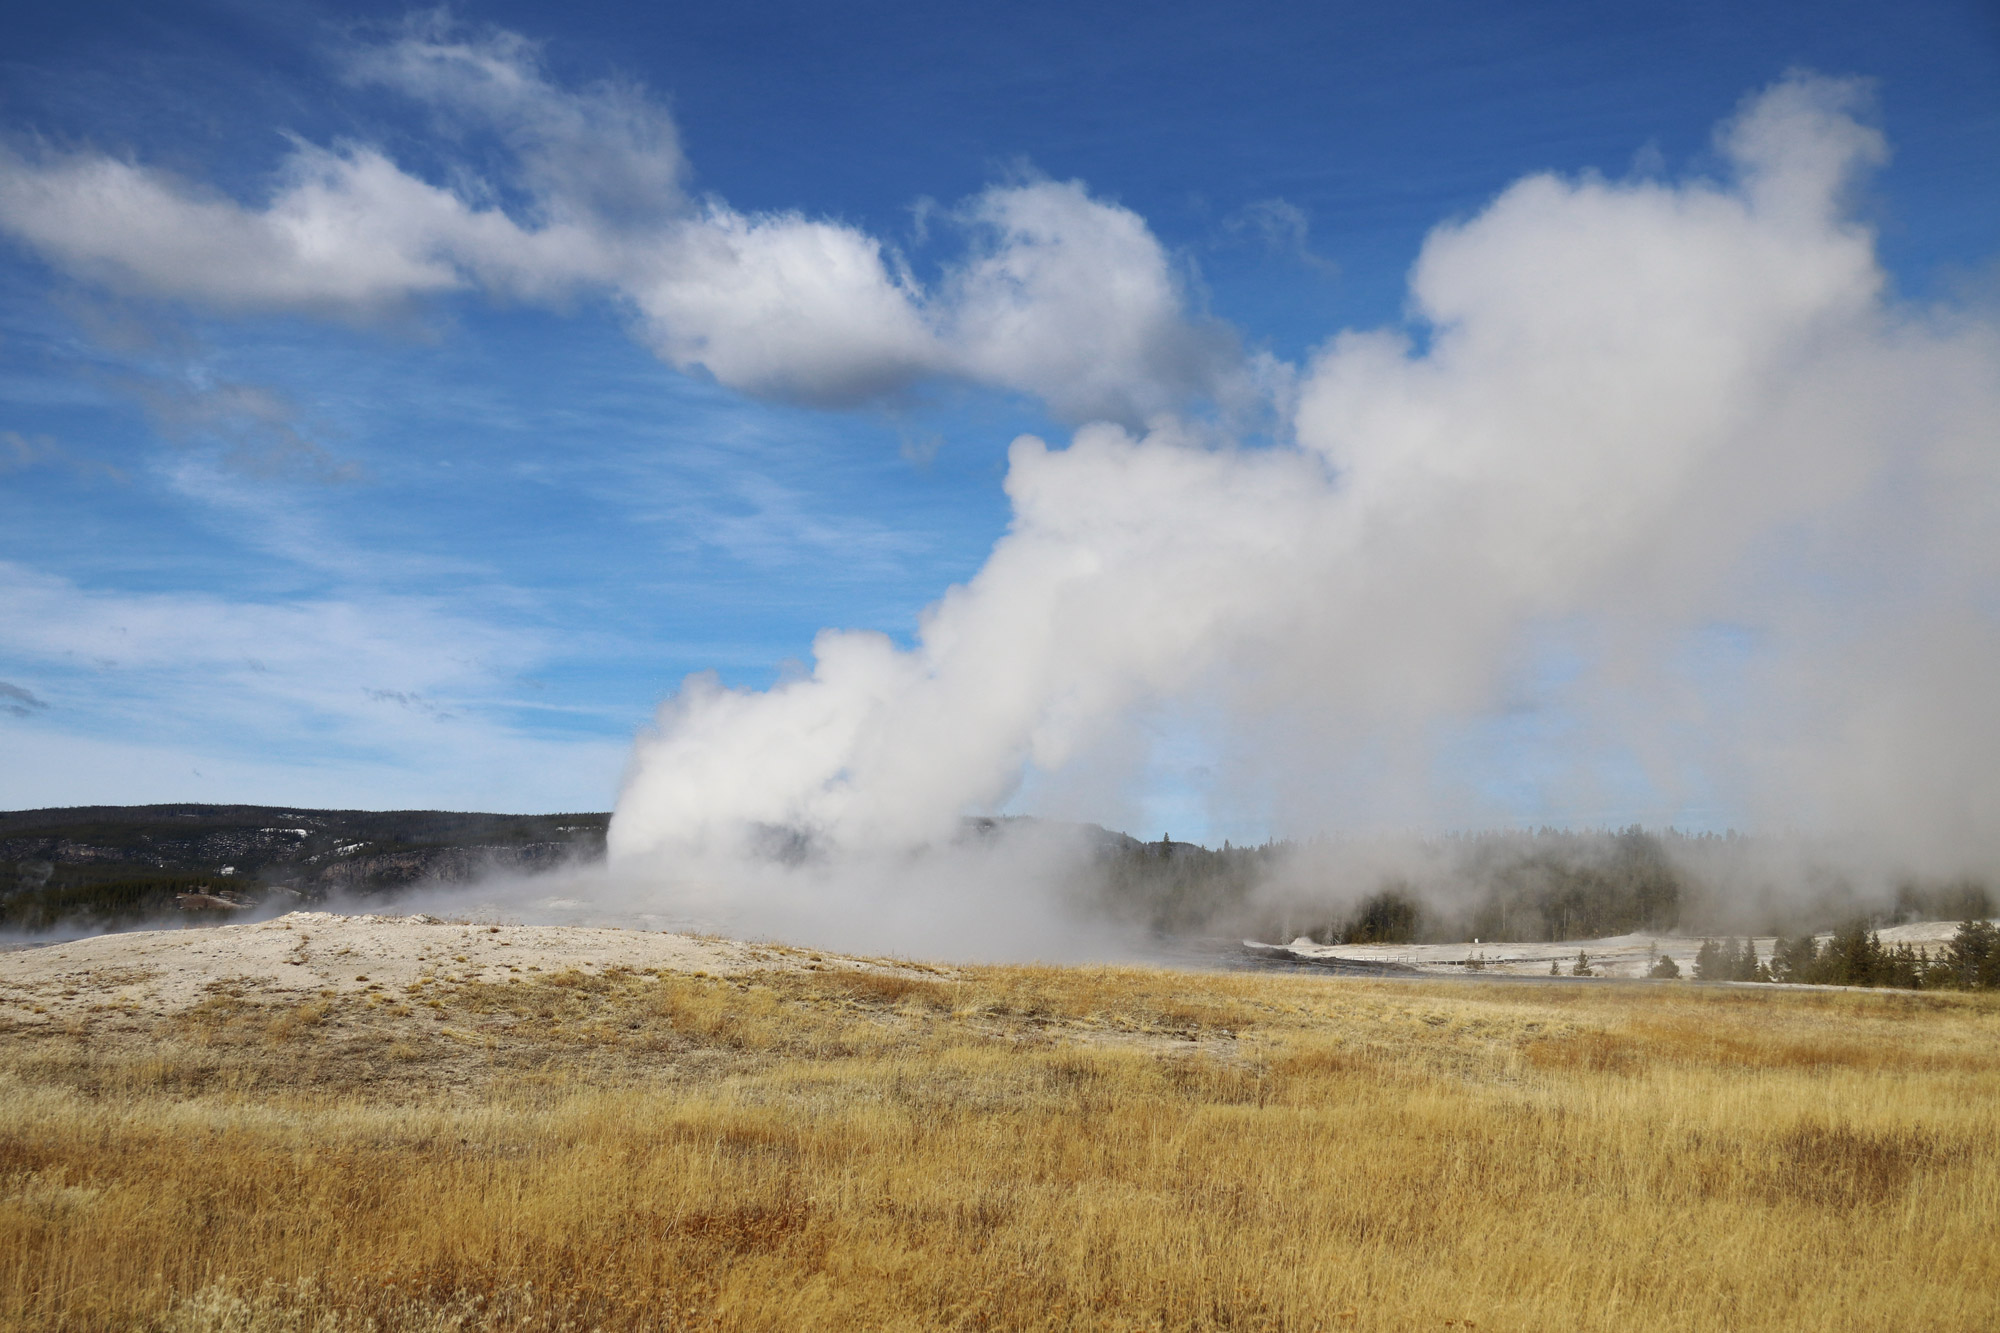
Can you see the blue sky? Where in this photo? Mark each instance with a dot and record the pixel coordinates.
(452, 546)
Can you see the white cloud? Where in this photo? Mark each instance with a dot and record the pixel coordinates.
(604, 155)
(346, 232)
(1075, 300)
(1063, 296)
(785, 306)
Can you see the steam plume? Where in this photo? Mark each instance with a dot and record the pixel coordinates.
(1669, 469)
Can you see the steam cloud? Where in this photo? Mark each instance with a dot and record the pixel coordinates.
(1670, 464)
(1663, 469)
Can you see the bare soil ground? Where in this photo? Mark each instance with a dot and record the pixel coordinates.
(320, 955)
(1616, 956)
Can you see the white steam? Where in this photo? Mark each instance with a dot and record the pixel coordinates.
(1673, 436)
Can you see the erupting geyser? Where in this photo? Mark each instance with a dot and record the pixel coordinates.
(1668, 467)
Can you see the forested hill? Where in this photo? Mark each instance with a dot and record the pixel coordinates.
(97, 866)
(102, 867)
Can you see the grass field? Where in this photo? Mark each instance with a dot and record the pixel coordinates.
(1007, 1148)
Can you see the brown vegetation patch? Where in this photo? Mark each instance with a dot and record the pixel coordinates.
(1840, 1166)
(744, 1230)
(1595, 1050)
(1694, 1039)
(871, 987)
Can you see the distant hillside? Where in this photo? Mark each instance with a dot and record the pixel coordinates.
(97, 866)
(103, 867)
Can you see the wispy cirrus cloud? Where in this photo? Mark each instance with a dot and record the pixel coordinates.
(1280, 227)
(251, 429)
(19, 701)
(19, 453)
(167, 694)
(236, 669)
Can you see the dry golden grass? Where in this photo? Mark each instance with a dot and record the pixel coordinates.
(1008, 1148)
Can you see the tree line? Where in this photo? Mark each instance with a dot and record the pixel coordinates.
(1855, 956)
(1540, 885)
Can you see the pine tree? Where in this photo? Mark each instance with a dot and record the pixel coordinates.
(1665, 968)
(1581, 968)
(1857, 953)
(1973, 956)
(1709, 964)
(1901, 967)
(1794, 960)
